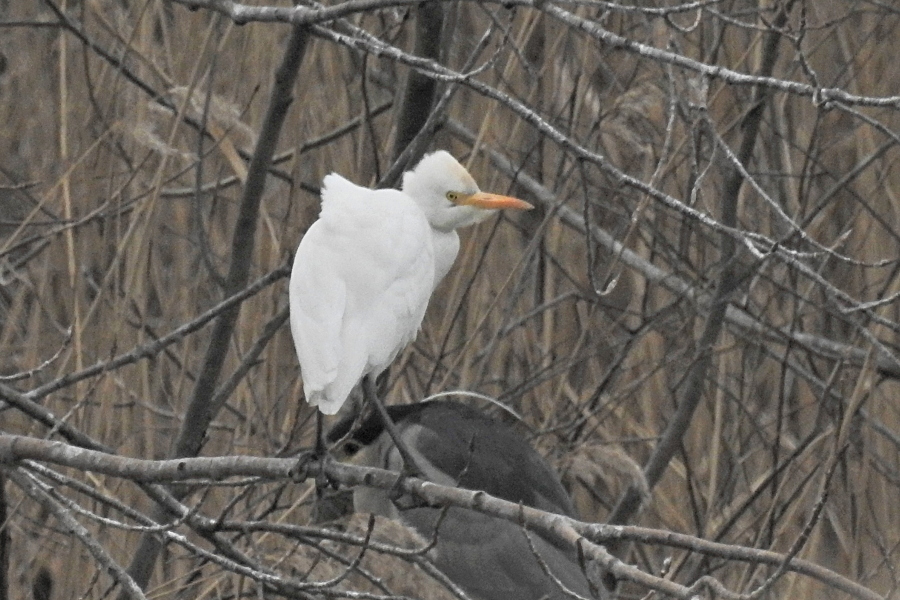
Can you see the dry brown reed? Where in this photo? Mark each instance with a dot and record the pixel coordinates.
(116, 219)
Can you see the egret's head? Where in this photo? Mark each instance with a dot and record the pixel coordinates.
(449, 196)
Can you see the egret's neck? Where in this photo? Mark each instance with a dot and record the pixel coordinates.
(446, 247)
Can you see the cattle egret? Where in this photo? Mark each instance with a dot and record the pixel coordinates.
(458, 446)
(365, 270)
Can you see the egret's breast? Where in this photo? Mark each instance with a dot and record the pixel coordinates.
(446, 247)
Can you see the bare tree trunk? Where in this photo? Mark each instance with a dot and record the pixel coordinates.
(418, 97)
(201, 410)
(695, 382)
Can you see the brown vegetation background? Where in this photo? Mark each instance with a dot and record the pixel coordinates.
(117, 220)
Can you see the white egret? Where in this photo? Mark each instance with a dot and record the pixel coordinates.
(365, 270)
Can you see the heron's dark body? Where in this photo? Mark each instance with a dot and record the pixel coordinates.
(458, 445)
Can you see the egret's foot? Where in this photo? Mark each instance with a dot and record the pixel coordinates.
(401, 499)
(312, 463)
(307, 462)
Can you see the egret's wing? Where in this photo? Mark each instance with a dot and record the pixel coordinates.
(317, 302)
(362, 278)
(387, 263)
(401, 264)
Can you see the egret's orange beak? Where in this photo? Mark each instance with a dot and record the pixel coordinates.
(494, 201)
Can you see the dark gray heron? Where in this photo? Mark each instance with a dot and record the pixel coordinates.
(456, 445)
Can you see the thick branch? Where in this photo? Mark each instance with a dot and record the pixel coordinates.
(306, 15)
(201, 409)
(697, 376)
(420, 89)
(555, 527)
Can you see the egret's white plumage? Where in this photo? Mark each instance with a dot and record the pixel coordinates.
(364, 271)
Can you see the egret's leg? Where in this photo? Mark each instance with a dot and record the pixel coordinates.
(320, 450)
(312, 462)
(409, 462)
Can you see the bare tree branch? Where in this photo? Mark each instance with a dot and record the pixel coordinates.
(201, 409)
(658, 139)
(563, 529)
(130, 589)
(729, 279)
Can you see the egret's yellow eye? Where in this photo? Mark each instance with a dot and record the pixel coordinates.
(453, 197)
